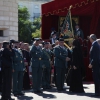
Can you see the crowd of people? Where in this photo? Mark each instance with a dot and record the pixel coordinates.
(50, 63)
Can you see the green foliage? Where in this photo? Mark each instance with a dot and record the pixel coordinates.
(37, 26)
(27, 29)
(37, 33)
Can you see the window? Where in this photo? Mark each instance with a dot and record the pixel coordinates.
(36, 6)
(1, 32)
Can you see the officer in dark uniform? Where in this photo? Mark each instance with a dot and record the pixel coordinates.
(47, 66)
(61, 57)
(36, 64)
(78, 32)
(18, 68)
(0, 68)
(7, 59)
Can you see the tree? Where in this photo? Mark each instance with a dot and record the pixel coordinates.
(25, 27)
(37, 25)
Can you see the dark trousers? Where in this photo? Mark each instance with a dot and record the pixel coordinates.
(54, 75)
(17, 82)
(37, 78)
(46, 77)
(7, 80)
(60, 76)
(96, 77)
(0, 80)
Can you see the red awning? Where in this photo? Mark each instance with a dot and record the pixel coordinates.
(59, 7)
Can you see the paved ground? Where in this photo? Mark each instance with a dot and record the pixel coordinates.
(54, 95)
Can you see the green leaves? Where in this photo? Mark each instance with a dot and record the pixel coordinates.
(26, 28)
(24, 25)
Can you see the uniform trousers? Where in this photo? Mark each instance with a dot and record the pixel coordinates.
(46, 77)
(17, 82)
(60, 76)
(7, 82)
(37, 78)
(0, 80)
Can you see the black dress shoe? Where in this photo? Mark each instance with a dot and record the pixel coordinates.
(39, 91)
(15, 95)
(44, 88)
(20, 93)
(59, 90)
(49, 87)
(35, 92)
(63, 89)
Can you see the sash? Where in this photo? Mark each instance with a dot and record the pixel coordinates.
(46, 54)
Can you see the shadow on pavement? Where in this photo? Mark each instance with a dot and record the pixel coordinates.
(48, 96)
(54, 89)
(24, 98)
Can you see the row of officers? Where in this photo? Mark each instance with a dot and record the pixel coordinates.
(14, 62)
(13, 65)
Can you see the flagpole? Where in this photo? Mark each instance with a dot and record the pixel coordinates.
(71, 19)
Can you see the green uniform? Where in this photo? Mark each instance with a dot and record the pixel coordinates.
(60, 65)
(46, 69)
(18, 67)
(36, 64)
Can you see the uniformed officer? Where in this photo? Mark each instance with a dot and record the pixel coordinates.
(0, 67)
(47, 66)
(36, 64)
(18, 68)
(61, 57)
(78, 32)
(6, 63)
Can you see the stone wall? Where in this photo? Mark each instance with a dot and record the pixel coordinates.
(9, 19)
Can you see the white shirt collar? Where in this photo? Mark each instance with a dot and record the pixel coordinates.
(93, 42)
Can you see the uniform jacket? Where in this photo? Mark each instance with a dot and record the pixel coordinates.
(7, 58)
(36, 57)
(18, 61)
(60, 57)
(46, 58)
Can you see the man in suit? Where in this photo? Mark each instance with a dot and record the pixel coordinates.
(95, 63)
(78, 32)
(7, 55)
(61, 57)
(98, 40)
(47, 66)
(18, 68)
(36, 64)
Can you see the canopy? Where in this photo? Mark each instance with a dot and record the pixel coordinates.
(52, 10)
(88, 12)
(80, 7)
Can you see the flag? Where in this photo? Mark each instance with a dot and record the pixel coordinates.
(67, 22)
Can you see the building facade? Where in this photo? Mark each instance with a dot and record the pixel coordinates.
(34, 7)
(9, 16)
(8, 20)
